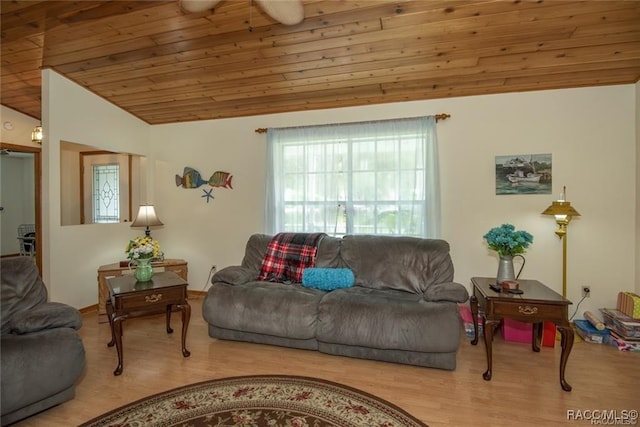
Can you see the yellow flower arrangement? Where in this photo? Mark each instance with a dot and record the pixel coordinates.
(143, 247)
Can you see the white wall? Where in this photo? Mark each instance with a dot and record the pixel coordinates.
(215, 232)
(73, 253)
(590, 132)
(20, 134)
(590, 135)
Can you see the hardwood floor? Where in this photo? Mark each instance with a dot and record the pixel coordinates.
(524, 391)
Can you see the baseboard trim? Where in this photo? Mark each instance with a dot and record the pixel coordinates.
(197, 294)
(89, 309)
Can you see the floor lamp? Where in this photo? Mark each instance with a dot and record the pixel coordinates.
(563, 212)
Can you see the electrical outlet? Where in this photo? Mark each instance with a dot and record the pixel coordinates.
(212, 271)
(586, 291)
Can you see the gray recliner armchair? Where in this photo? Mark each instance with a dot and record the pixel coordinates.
(41, 352)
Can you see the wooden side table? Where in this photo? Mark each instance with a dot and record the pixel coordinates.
(178, 266)
(128, 297)
(537, 304)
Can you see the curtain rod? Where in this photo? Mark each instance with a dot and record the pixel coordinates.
(441, 116)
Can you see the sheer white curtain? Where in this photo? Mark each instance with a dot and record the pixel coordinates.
(376, 177)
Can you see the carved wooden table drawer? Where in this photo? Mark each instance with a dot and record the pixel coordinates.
(522, 311)
(144, 298)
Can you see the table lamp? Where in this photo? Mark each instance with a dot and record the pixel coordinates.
(146, 218)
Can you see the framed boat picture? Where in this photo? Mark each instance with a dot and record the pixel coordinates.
(523, 174)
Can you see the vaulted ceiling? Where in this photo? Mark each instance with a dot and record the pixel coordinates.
(165, 65)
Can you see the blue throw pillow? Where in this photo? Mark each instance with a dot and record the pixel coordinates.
(327, 279)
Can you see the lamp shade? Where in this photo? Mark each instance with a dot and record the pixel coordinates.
(146, 217)
(561, 208)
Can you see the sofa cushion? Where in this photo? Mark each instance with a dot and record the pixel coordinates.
(327, 279)
(264, 308)
(254, 251)
(328, 255)
(21, 288)
(403, 263)
(390, 319)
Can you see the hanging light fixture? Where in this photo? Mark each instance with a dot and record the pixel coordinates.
(563, 212)
(287, 12)
(36, 135)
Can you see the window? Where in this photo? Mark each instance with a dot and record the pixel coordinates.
(361, 178)
(106, 193)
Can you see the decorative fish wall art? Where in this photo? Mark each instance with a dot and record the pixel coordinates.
(192, 179)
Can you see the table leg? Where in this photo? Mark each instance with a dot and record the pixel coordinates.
(536, 336)
(489, 329)
(473, 303)
(169, 330)
(186, 317)
(567, 344)
(117, 326)
(109, 308)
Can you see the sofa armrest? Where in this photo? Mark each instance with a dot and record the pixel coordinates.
(49, 315)
(235, 275)
(447, 291)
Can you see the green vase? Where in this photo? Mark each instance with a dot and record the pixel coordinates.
(143, 272)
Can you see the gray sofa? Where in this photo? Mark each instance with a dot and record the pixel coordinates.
(42, 355)
(403, 307)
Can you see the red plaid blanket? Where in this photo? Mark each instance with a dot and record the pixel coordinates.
(288, 254)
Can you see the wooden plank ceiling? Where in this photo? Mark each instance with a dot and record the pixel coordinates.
(164, 65)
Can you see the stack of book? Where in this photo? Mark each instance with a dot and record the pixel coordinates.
(629, 304)
(590, 333)
(624, 330)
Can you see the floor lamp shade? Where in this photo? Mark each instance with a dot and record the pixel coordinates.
(146, 217)
(563, 212)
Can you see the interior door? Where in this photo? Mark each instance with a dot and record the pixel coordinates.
(91, 196)
(13, 192)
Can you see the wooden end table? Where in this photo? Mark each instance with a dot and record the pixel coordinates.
(537, 304)
(178, 266)
(128, 297)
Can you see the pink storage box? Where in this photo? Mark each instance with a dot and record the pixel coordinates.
(512, 330)
(465, 312)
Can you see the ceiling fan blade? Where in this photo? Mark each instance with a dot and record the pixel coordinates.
(287, 12)
(197, 5)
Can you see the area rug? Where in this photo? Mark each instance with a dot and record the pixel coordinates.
(257, 401)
